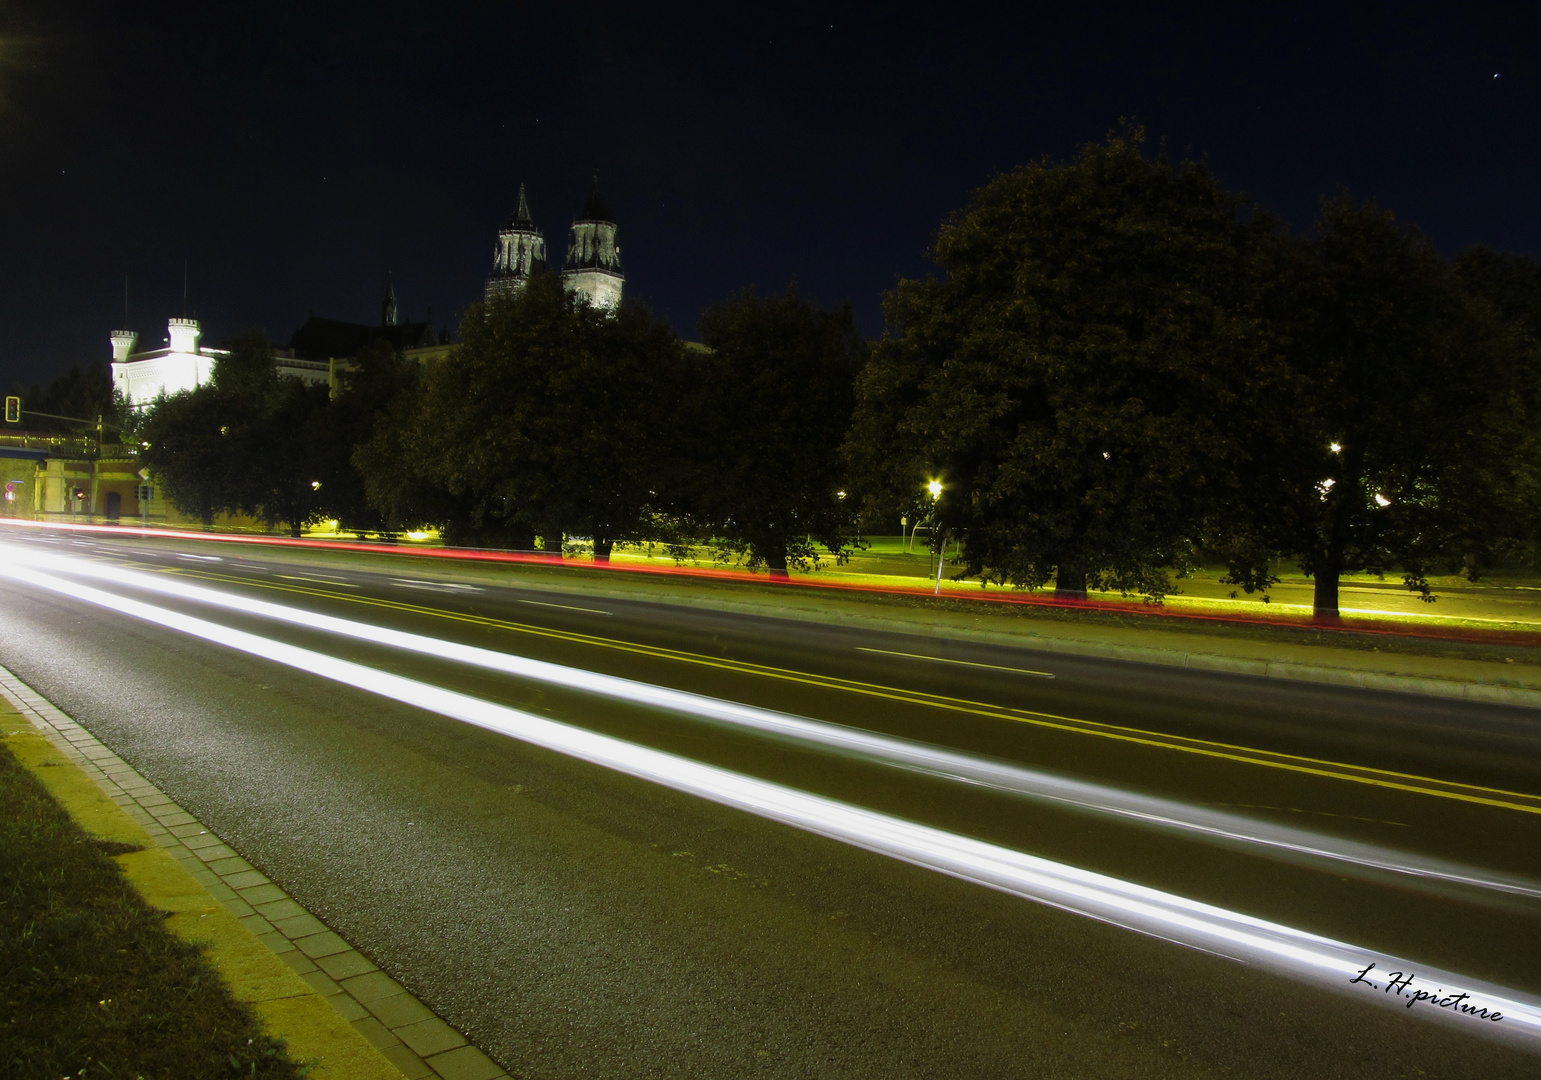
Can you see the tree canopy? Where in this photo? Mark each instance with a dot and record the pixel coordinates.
(1077, 377)
(776, 395)
(1408, 409)
(547, 420)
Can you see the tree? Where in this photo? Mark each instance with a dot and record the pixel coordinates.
(1080, 378)
(270, 422)
(1411, 410)
(1511, 285)
(775, 397)
(186, 448)
(548, 419)
(79, 393)
(370, 383)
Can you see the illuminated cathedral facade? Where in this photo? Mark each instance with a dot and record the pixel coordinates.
(593, 264)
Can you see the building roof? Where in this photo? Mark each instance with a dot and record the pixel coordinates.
(325, 339)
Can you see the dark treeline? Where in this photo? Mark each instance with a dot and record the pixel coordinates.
(79, 396)
(1123, 371)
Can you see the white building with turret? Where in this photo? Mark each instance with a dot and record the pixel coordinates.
(180, 364)
(593, 264)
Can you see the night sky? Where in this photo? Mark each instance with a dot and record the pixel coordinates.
(294, 154)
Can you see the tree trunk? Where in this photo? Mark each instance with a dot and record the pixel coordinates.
(602, 549)
(1070, 582)
(1324, 602)
(551, 543)
(776, 560)
(295, 529)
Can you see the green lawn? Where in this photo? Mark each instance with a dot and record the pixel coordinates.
(91, 982)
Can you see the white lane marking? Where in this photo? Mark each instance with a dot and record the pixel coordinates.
(200, 558)
(565, 607)
(965, 663)
(1298, 953)
(435, 586)
(1293, 844)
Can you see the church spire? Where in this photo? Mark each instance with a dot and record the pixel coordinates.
(522, 214)
(388, 309)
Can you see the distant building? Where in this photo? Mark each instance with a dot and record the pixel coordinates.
(182, 363)
(320, 340)
(593, 265)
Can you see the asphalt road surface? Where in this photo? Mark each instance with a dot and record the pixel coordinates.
(577, 920)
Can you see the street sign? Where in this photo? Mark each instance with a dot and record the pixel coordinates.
(13, 410)
(10, 491)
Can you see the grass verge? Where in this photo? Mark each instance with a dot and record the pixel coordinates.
(92, 984)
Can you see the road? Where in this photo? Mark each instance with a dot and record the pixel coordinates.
(579, 920)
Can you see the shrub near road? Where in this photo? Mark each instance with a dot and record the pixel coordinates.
(91, 982)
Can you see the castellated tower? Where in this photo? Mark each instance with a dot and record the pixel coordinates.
(593, 265)
(521, 251)
(123, 342)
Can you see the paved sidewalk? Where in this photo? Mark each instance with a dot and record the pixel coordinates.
(401, 1028)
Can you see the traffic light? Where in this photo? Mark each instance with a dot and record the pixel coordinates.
(80, 494)
(13, 410)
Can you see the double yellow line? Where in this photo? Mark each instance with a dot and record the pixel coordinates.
(1334, 770)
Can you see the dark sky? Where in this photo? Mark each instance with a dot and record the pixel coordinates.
(293, 154)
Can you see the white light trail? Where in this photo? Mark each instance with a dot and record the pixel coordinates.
(1311, 957)
(1233, 830)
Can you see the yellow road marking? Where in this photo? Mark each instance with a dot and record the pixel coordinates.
(964, 663)
(1335, 770)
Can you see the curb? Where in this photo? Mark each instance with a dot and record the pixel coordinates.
(328, 1001)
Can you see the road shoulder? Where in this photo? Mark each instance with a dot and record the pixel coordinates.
(330, 1003)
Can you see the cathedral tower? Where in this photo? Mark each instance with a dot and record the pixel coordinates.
(593, 261)
(521, 251)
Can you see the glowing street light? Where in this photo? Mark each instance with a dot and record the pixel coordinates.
(935, 488)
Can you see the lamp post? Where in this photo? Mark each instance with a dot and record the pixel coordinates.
(935, 488)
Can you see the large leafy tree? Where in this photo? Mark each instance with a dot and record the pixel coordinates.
(774, 400)
(1081, 376)
(1410, 411)
(548, 419)
(187, 450)
(1511, 285)
(271, 423)
(371, 382)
